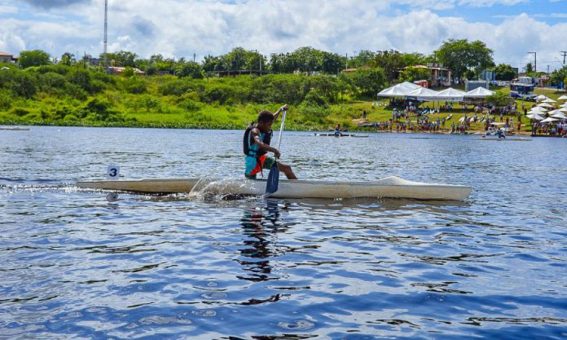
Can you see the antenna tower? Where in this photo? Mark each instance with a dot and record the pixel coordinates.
(105, 33)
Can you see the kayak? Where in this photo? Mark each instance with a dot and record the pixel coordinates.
(389, 187)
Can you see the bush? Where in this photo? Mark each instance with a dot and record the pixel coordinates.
(5, 100)
(134, 85)
(19, 112)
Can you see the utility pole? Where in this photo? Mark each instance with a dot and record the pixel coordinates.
(105, 34)
(564, 53)
(535, 60)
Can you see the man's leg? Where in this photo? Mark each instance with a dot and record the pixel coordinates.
(286, 169)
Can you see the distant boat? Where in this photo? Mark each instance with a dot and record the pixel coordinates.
(14, 128)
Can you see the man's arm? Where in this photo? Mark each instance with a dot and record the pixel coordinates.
(263, 146)
(277, 113)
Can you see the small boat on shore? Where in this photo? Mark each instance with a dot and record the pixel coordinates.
(332, 134)
(389, 187)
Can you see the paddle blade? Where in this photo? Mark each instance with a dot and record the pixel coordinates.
(273, 179)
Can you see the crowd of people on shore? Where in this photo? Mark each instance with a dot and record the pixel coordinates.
(407, 116)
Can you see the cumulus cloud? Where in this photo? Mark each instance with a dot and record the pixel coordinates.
(179, 28)
(55, 3)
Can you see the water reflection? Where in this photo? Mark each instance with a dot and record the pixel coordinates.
(260, 225)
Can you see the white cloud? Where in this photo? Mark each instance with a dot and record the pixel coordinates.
(177, 28)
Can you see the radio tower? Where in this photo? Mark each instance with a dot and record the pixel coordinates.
(105, 34)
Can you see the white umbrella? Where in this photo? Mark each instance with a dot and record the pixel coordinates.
(538, 109)
(549, 120)
(541, 97)
(563, 97)
(549, 101)
(534, 116)
(559, 115)
(547, 105)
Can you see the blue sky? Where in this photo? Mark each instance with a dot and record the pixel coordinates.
(181, 28)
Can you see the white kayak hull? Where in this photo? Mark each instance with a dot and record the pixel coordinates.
(390, 187)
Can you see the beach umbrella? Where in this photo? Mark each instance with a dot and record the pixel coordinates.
(549, 101)
(538, 109)
(549, 120)
(534, 116)
(557, 114)
(541, 97)
(563, 97)
(546, 105)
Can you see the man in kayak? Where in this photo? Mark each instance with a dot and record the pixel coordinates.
(256, 145)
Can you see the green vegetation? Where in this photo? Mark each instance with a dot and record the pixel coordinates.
(224, 92)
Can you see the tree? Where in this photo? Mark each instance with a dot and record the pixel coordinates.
(368, 82)
(363, 58)
(67, 59)
(390, 61)
(461, 56)
(189, 69)
(412, 73)
(559, 77)
(504, 72)
(33, 58)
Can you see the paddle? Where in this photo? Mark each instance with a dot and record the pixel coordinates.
(274, 175)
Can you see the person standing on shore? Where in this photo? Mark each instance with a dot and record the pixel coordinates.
(256, 145)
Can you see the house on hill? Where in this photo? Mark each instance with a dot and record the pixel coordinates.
(7, 58)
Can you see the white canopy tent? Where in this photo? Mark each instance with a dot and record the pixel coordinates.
(424, 94)
(563, 97)
(399, 90)
(450, 94)
(549, 101)
(479, 92)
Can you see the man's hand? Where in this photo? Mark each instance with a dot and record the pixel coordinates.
(276, 152)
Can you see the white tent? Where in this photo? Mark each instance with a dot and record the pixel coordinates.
(479, 92)
(399, 90)
(549, 101)
(450, 94)
(423, 94)
(563, 97)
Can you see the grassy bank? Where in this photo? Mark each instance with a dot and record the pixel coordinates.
(70, 96)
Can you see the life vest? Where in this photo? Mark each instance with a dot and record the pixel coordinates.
(247, 142)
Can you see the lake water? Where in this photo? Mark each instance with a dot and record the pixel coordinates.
(74, 264)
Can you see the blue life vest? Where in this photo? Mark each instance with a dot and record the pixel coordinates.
(250, 148)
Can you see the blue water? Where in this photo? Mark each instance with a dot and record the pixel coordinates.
(74, 264)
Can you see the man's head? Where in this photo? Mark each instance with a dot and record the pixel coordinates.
(265, 120)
